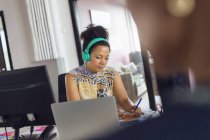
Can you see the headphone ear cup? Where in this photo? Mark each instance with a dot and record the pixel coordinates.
(85, 56)
(88, 57)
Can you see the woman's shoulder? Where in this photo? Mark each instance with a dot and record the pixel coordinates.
(77, 70)
(110, 69)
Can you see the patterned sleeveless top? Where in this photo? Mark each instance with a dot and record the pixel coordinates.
(93, 85)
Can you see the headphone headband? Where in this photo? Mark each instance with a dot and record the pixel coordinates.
(95, 40)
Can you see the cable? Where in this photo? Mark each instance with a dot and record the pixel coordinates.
(4, 123)
(6, 132)
(31, 119)
(31, 131)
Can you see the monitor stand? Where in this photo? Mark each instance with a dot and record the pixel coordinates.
(16, 135)
(16, 126)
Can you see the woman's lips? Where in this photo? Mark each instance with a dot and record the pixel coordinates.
(100, 67)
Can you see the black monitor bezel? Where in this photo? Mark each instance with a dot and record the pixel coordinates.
(17, 102)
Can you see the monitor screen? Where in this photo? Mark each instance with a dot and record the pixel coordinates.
(25, 91)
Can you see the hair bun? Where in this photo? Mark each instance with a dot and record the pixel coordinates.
(93, 31)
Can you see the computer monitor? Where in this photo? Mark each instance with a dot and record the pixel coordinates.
(165, 87)
(23, 92)
(171, 86)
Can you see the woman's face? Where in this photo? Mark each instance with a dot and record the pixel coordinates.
(98, 58)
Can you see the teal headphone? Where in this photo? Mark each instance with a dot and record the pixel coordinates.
(85, 54)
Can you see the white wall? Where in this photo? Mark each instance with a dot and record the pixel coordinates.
(20, 40)
(64, 35)
(17, 31)
(119, 33)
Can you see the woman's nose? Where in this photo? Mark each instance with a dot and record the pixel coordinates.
(103, 61)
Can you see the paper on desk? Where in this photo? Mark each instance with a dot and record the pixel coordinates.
(8, 134)
(148, 114)
(5, 138)
(37, 130)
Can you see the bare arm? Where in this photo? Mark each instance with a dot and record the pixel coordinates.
(72, 91)
(121, 94)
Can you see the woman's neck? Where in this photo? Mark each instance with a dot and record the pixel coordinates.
(90, 69)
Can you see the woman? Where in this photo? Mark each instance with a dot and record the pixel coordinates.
(94, 79)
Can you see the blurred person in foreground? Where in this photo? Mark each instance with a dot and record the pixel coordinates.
(176, 32)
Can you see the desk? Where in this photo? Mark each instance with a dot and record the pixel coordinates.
(38, 129)
(25, 132)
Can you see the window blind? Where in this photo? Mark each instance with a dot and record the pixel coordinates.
(42, 30)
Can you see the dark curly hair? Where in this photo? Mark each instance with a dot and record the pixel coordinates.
(93, 32)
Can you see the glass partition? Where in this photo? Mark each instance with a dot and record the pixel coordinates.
(5, 57)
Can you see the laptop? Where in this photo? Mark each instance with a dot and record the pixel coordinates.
(86, 119)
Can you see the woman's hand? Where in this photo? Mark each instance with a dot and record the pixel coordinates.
(123, 115)
(136, 112)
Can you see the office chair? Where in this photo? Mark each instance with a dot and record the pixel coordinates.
(62, 88)
(136, 58)
(130, 86)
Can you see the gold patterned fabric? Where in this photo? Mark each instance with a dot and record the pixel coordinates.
(93, 85)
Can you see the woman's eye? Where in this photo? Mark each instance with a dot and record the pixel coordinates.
(107, 58)
(98, 58)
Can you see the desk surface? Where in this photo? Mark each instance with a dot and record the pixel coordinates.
(25, 131)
